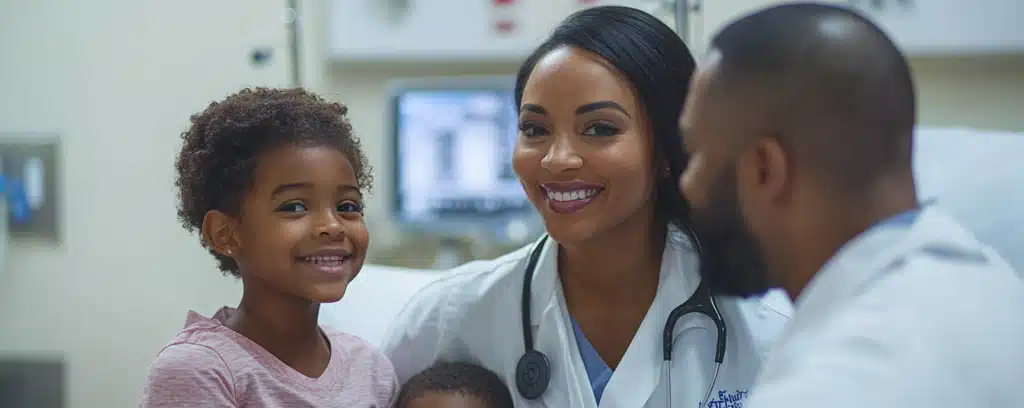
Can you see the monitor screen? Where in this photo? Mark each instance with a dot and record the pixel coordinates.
(453, 155)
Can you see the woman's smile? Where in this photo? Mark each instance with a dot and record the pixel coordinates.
(570, 197)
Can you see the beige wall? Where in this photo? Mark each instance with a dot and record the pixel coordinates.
(975, 92)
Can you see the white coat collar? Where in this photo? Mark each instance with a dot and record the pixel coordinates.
(545, 281)
(679, 261)
(639, 371)
(871, 254)
(553, 333)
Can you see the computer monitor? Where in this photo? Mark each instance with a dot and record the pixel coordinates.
(453, 142)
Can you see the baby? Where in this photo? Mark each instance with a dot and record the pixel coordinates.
(455, 385)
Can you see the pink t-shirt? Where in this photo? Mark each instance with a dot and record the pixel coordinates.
(208, 365)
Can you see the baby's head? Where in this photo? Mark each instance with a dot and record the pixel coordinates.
(455, 385)
(273, 181)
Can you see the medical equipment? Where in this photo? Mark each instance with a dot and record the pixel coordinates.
(453, 177)
(533, 371)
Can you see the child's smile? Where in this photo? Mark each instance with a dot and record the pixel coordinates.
(331, 262)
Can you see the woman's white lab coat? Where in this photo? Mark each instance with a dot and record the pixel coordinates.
(474, 315)
(903, 316)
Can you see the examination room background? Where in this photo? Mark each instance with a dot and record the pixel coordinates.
(118, 79)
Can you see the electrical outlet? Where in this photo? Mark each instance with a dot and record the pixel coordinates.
(32, 160)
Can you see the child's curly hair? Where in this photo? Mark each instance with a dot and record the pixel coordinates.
(221, 147)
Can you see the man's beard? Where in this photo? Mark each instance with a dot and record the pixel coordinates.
(731, 260)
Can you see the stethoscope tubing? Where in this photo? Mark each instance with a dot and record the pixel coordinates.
(533, 369)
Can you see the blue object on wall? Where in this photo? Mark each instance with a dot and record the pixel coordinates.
(17, 201)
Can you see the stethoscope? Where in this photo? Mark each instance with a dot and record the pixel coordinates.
(533, 372)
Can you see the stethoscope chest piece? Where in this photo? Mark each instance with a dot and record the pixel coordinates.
(533, 372)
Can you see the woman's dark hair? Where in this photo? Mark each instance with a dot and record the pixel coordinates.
(658, 65)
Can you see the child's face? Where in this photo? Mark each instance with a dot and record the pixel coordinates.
(445, 400)
(301, 229)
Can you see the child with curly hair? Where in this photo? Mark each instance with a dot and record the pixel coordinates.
(273, 181)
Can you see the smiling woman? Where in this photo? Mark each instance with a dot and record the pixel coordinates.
(599, 156)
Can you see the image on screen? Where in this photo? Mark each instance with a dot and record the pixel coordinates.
(454, 155)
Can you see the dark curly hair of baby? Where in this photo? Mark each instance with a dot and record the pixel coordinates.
(464, 379)
(224, 142)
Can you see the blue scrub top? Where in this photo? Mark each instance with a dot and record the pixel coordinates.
(598, 371)
(904, 219)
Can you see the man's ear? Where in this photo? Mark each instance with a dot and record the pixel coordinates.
(775, 169)
(766, 170)
(220, 233)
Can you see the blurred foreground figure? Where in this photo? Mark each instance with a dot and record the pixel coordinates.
(800, 126)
